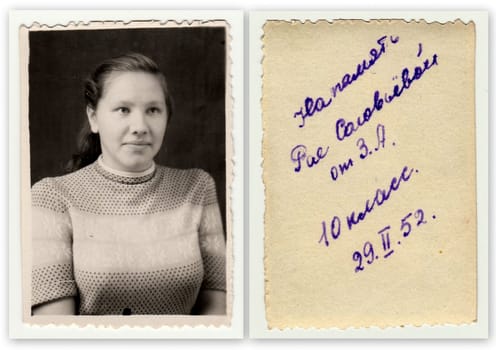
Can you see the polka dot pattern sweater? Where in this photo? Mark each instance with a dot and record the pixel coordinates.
(127, 245)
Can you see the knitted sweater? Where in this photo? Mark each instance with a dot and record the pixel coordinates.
(127, 245)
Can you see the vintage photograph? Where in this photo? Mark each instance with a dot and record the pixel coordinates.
(129, 170)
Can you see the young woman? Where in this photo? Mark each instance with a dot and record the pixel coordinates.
(123, 235)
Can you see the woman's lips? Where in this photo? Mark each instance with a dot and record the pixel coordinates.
(138, 143)
(137, 146)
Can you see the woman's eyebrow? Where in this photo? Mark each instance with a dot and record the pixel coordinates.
(156, 102)
(146, 103)
(124, 102)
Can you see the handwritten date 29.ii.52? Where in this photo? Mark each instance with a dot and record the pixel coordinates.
(408, 224)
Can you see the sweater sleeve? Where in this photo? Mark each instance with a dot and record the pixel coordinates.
(52, 269)
(212, 241)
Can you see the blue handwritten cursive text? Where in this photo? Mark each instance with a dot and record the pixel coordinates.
(299, 155)
(313, 105)
(381, 196)
(345, 128)
(390, 236)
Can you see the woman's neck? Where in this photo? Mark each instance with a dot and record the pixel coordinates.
(148, 171)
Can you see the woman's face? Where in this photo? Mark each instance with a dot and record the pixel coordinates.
(131, 118)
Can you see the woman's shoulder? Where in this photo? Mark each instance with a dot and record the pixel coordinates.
(191, 175)
(194, 183)
(54, 191)
(55, 182)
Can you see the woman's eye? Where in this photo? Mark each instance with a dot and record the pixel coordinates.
(123, 110)
(154, 110)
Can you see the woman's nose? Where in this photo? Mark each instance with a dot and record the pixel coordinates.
(138, 123)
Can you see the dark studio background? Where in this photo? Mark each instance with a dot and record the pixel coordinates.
(193, 61)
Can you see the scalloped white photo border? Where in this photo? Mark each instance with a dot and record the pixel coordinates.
(258, 324)
(18, 329)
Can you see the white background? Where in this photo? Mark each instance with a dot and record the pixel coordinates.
(314, 5)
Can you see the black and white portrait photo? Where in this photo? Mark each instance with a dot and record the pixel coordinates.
(127, 156)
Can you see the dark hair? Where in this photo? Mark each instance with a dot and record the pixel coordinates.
(89, 148)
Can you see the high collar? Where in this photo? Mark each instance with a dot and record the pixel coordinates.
(123, 176)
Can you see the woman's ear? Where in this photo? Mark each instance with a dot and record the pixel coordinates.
(90, 112)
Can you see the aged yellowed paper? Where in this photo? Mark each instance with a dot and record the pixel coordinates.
(369, 173)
